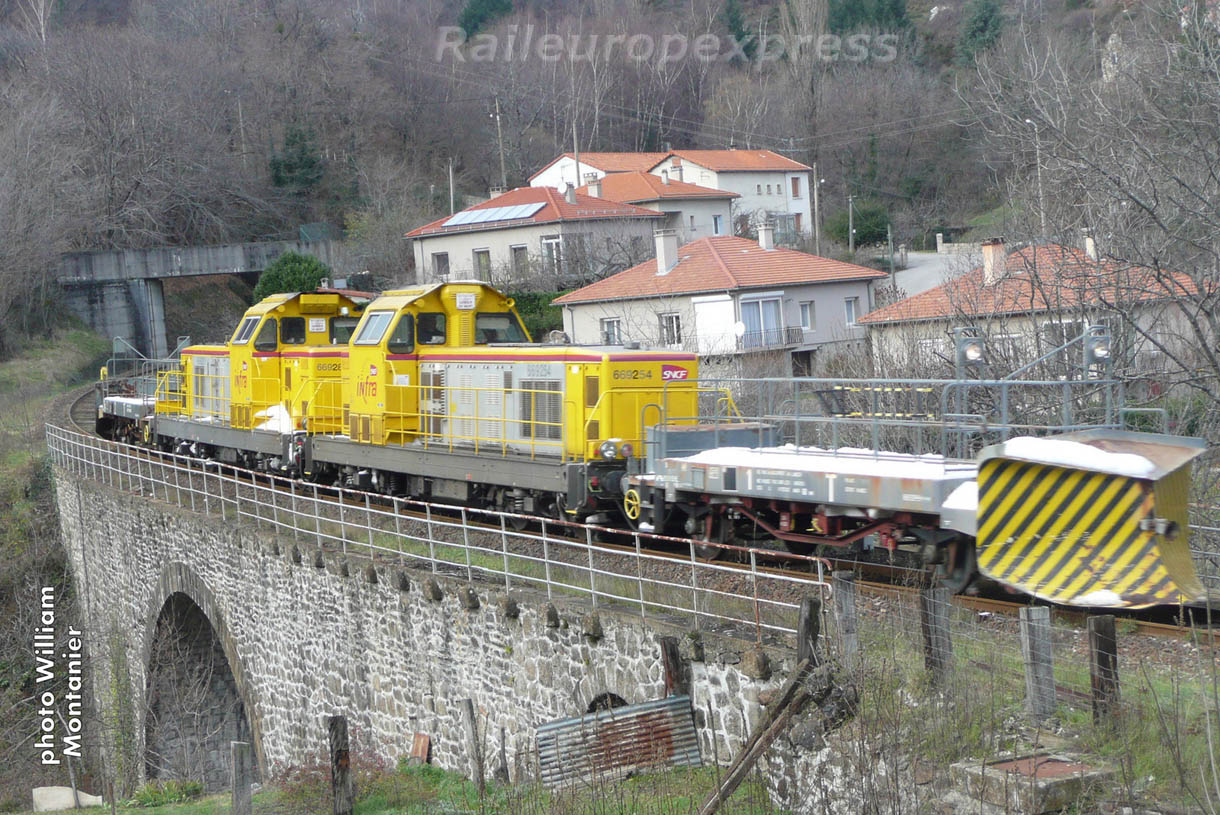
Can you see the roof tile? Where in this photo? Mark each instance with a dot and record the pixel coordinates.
(632, 188)
(556, 208)
(1043, 278)
(719, 264)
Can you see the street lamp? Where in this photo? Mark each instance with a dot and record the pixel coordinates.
(1038, 159)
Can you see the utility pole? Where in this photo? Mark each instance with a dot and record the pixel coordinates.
(889, 240)
(817, 215)
(576, 152)
(575, 145)
(1038, 159)
(851, 226)
(452, 208)
(500, 139)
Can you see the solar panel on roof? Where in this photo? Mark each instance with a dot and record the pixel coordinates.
(490, 214)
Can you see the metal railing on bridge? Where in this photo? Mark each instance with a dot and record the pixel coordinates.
(747, 590)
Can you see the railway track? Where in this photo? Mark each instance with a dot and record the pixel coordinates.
(82, 413)
(81, 416)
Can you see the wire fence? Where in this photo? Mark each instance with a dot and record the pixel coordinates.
(743, 590)
(986, 647)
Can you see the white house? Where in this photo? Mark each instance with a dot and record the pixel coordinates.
(772, 187)
(564, 170)
(726, 296)
(534, 233)
(692, 211)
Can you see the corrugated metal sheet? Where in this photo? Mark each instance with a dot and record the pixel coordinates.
(613, 742)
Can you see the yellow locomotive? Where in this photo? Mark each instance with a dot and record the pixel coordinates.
(432, 391)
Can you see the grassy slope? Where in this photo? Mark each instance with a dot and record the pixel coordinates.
(29, 545)
(423, 790)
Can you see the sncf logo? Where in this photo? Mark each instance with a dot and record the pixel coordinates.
(671, 373)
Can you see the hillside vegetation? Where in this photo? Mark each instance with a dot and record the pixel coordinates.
(177, 123)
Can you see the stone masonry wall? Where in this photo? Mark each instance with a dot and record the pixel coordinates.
(309, 634)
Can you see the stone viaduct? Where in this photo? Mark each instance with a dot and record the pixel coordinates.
(181, 606)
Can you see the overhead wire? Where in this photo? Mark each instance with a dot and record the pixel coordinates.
(940, 118)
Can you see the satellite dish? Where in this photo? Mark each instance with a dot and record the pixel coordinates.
(739, 328)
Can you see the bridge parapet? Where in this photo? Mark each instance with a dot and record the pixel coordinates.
(393, 619)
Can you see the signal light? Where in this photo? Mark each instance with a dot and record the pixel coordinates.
(1097, 348)
(970, 347)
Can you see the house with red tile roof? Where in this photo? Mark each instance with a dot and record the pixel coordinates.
(770, 187)
(534, 233)
(1027, 301)
(725, 295)
(564, 168)
(692, 211)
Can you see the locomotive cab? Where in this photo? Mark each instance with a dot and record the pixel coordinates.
(283, 349)
(386, 397)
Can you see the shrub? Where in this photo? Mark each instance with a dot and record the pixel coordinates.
(291, 272)
(160, 793)
(870, 219)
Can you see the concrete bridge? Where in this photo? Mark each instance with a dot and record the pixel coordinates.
(119, 293)
(214, 612)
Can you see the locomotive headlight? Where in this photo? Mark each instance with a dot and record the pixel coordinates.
(626, 449)
(609, 449)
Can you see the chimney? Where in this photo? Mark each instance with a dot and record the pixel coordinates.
(995, 260)
(667, 250)
(594, 183)
(569, 193)
(665, 176)
(766, 235)
(1090, 244)
(496, 191)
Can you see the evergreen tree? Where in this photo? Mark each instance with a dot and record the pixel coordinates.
(870, 221)
(980, 30)
(291, 272)
(299, 163)
(477, 13)
(734, 20)
(844, 16)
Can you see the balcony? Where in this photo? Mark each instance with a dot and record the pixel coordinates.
(770, 338)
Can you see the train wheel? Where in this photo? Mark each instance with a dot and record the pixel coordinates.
(960, 566)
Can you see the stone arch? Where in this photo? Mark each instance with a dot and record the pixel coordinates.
(605, 701)
(180, 592)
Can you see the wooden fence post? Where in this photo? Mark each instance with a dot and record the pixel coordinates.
(934, 609)
(844, 583)
(472, 740)
(1103, 666)
(239, 755)
(1039, 656)
(671, 659)
(807, 629)
(340, 765)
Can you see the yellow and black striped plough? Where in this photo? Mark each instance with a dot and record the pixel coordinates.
(1095, 518)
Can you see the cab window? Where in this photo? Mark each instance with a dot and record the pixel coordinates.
(244, 329)
(292, 331)
(342, 328)
(431, 329)
(265, 341)
(501, 327)
(402, 341)
(375, 325)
